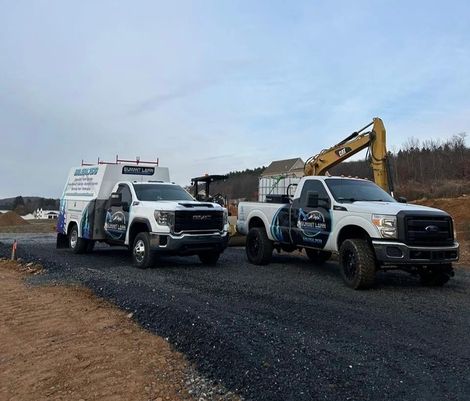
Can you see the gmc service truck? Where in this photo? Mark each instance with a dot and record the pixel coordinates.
(356, 219)
(136, 206)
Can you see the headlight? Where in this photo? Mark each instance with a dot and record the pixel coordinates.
(164, 218)
(225, 216)
(386, 224)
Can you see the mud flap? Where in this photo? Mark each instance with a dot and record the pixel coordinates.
(62, 241)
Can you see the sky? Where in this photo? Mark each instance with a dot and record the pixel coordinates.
(218, 86)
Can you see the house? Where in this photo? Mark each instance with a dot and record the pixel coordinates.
(46, 214)
(289, 167)
(280, 177)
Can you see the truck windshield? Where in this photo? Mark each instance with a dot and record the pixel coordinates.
(357, 190)
(159, 192)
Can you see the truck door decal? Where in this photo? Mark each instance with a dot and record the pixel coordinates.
(311, 226)
(117, 217)
(115, 224)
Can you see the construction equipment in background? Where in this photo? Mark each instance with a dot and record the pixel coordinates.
(374, 139)
(206, 196)
(205, 181)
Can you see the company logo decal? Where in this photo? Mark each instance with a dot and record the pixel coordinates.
(202, 217)
(115, 224)
(86, 171)
(432, 229)
(311, 223)
(138, 170)
(343, 151)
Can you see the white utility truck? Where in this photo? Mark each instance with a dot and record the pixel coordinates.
(136, 206)
(356, 219)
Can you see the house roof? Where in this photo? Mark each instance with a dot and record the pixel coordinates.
(283, 166)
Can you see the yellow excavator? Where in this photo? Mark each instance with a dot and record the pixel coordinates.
(375, 140)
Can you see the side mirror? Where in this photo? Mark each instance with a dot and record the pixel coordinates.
(312, 199)
(115, 199)
(401, 199)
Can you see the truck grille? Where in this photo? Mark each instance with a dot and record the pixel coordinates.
(194, 221)
(428, 230)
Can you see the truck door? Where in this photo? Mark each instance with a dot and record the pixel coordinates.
(117, 217)
(311, 217)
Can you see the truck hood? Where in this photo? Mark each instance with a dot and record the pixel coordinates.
(391, 208)
(181, 205)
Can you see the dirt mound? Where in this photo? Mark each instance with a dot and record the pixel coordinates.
(11, 219)
(458, 208)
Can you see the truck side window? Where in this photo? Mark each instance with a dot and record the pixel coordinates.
(126, 194)
(316, 186)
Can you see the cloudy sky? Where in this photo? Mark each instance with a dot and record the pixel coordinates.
(216, 86)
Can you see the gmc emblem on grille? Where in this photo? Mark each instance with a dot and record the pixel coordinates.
(431, 229)
(201, 217)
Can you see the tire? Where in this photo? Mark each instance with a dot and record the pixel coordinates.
(142, 255)
(357, 262)
(259, 248)
(316, 256)
(436, 276)
(76, 244)
(209, 258)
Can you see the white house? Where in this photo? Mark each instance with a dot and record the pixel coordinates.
(279, 177)
(46, 214)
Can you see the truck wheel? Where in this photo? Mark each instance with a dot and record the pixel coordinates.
(357, 262)
(76, 244)
(316, 256)
(209, 258)
(436, 276)
(259, 248)
(142, 255)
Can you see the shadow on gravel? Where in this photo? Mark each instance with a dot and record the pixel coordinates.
(392, 279)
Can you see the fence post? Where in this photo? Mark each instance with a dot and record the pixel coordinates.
(13, 250)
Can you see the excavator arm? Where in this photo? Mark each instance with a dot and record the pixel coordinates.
(374, 139)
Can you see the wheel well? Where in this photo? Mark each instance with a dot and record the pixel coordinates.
(137, 228)
(350, 232)
(69, 227)
(255, 222)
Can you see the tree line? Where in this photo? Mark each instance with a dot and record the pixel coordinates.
(431, 168)
(420, 169)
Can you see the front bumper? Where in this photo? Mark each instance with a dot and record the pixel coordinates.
(398, 253)
(188, 244)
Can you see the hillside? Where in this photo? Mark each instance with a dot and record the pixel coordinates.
(431, 169)
(27, 204)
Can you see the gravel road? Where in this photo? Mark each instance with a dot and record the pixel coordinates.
(287, 331)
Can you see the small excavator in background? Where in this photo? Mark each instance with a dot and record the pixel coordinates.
(374, 139)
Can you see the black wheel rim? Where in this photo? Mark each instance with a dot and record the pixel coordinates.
(254, 246)
(349, 265)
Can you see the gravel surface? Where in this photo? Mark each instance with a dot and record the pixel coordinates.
(289, 330)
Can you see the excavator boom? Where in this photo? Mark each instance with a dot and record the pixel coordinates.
(375, 140)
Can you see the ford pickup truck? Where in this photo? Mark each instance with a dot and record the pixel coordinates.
(357, 220)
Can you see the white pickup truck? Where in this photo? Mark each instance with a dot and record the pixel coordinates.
(136, 206)
(356, 219)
